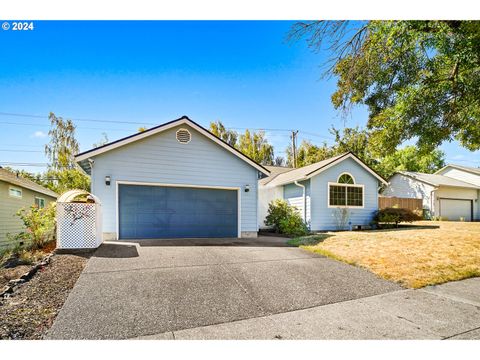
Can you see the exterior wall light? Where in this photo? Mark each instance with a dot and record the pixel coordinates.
(107, 180)
(247, 188)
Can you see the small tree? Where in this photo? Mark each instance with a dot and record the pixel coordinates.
(39, 225)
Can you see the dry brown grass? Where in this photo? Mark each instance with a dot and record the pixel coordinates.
(412, 257)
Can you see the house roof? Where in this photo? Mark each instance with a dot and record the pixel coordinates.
(438, 180)
(309, 171)
(13, 179)
(82, 158)
(471, 169)
(274, 172)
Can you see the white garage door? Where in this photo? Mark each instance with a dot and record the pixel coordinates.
(454, 209)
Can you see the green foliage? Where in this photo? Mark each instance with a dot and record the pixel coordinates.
(62, 180)
(39, 225)
(62, 146)
(419, 79)
(37, 178)
(409, 159)
(256, 147)
(285, 219)
(293, 225)
(219, 130)
(395, 216)
(252, 144)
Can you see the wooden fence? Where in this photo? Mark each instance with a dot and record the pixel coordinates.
(404, 203)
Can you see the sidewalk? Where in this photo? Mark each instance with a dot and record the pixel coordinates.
(449, 311)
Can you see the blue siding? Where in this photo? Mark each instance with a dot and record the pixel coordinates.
(162, 159)
(293, 194)
(322, 216)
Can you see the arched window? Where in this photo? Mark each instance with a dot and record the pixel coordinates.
(346, 178)
(345, 193)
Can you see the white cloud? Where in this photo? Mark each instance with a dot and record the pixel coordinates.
(39, 134)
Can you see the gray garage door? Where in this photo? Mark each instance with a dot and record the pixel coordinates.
(454, 209)
(151, 212)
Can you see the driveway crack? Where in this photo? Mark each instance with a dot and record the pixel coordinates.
(244, 289)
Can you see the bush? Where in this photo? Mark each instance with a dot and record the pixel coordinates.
(39, 225)
(285, 219)
(293, 225)
(395, 216)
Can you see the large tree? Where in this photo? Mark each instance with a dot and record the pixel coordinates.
(63, 173)
(408, 159)
(419, 79)
(253, 144)
(219, 130)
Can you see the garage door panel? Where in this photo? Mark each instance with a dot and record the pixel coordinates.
(176, 212)
(454, 209)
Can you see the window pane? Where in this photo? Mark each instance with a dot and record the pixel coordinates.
(15, 192)
(337, 195)
(354, 196)
(40, 203)
(345, 179)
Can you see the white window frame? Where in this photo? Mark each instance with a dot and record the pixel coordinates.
(346, 173)
(345, 185)
(42, 199)
(17, 189)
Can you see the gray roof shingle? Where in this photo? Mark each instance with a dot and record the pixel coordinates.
(12, 178)
(438, 180)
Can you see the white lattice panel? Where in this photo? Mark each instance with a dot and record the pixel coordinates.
(78, 225)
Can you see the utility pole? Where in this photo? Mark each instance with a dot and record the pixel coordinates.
(294, 147)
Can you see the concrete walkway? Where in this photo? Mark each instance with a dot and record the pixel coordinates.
(448, 311)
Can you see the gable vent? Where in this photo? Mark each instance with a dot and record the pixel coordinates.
(183, 136)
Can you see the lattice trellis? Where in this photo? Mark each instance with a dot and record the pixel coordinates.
(78, 225)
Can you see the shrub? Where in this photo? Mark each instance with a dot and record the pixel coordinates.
(285, 219)
(395, 216)
(293, 225)
(39, 225)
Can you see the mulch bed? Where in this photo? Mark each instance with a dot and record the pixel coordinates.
(30, 310)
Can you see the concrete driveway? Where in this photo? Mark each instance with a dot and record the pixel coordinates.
(130, 290)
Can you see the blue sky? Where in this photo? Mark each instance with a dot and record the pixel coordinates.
(242, 73)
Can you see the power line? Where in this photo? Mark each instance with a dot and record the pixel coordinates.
(76, 119)
(23, 164)
(29, 151)
(77, 127)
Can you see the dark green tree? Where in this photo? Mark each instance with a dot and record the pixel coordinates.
(419, 79)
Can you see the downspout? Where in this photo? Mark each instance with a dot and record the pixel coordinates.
(432, 204)
(304, 200)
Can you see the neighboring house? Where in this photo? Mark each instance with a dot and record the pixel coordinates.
(176, 180)
(452, 192)
(16, 193)
(323, 191)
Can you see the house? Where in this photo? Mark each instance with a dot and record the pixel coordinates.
(17, 192)
(336, 193)
(175, 180)
(452, 193)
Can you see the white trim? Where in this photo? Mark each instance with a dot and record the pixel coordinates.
(15, 188)
(125, 182)
(349, 156)
(457, 167)
(346, 173)
(165, 127)
(346, 199)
